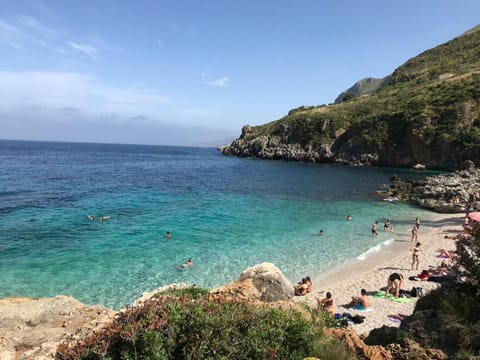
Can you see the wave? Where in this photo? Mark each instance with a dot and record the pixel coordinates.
(374, 249)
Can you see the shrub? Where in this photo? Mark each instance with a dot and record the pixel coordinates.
(207, 328)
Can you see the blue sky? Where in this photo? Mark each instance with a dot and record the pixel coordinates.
(194, 72)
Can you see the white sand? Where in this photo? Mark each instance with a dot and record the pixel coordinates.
(372, 273)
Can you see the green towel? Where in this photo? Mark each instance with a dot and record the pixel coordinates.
(381, 294)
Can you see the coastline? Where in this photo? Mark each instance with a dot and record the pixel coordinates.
(371, 273)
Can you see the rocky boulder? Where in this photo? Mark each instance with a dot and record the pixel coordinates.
(271, 284)
(33, 328)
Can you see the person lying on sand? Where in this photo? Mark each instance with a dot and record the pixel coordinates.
(327, 303)
(361, 302)
(447, 254)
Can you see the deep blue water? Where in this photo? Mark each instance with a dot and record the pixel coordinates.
(226, 213)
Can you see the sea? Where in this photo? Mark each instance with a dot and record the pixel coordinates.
(226, 213)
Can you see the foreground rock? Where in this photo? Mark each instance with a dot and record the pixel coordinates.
(455, 192)
(33, 328)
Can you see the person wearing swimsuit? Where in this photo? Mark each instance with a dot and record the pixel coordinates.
(415, 255)
(394, 282)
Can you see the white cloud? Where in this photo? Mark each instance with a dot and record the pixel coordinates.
(26, 32)
(9, 35)
(82, 91)
(222, 82)
(84, 48)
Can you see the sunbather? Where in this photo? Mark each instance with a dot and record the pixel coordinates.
(361, 302)
(327, 303)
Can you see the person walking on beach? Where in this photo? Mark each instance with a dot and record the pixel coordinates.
(415, 233)
(415, 255)
(375, 228)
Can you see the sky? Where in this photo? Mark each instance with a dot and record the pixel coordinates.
(193, 72)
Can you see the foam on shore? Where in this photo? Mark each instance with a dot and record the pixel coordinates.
(374, 249)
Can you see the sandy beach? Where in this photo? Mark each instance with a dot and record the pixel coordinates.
(372, 273)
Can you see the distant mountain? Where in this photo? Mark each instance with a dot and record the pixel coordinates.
(365, 86)
(427, 111)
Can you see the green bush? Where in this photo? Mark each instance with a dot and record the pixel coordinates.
(208, 328)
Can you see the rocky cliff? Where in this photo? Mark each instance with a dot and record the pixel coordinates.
(427, 112)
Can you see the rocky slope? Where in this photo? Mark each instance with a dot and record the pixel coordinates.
(33, 328)
(427, 112)
(365, 86)
(456, 192)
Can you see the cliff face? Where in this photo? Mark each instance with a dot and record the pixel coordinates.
(427, 111)
(363, 87)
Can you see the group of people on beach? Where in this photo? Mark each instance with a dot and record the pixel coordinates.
(304, 287)
(396, 280)
(360, 302)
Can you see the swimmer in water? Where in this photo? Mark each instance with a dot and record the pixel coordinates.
(105, 218)
(91, 217)
(168, 235)
(186, 265)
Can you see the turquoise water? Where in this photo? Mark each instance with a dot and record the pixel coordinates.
(226, 213)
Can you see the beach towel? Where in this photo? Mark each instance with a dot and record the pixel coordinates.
(381, 294)
(362, 309)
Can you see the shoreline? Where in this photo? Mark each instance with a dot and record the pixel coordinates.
(347, 280)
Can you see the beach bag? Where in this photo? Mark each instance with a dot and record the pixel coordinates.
(416, 291)
(357, 319)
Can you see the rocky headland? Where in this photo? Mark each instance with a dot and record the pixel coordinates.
(455, 192)
(415, 115)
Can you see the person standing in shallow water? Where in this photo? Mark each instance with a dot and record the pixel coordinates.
(375, 228)
(415, 233)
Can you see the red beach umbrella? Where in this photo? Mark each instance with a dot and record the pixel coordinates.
(475, 216)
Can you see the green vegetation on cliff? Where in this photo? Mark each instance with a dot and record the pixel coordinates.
(192, 324)
(427, 112)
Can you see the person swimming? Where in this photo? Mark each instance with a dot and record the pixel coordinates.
(186, 265)
(105, 218)
(168, 235)
(91, 217)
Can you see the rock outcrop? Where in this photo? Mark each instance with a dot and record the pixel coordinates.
(33, 328)
(269, 281)
(456, 192)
